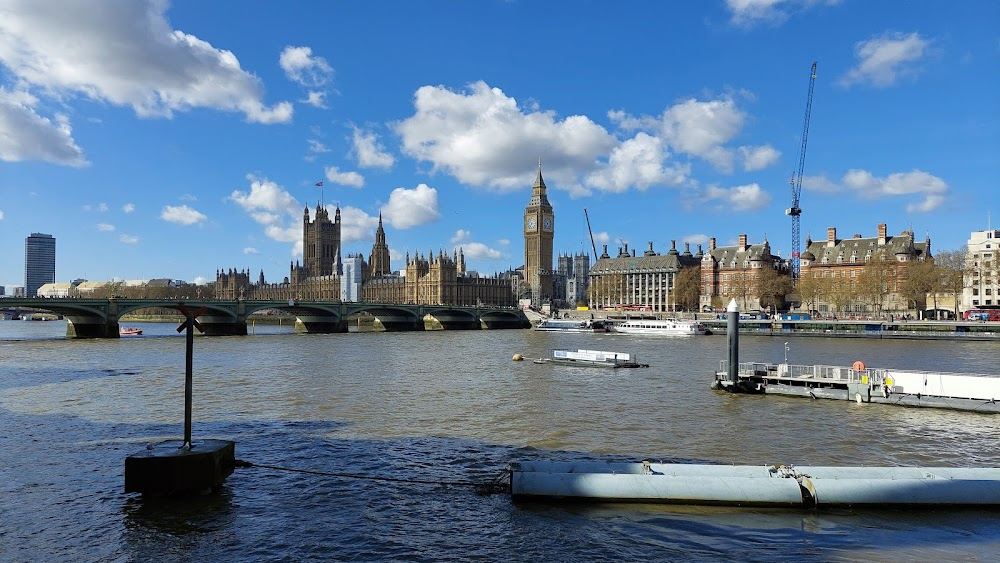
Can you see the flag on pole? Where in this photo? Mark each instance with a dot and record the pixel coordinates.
(320, 183)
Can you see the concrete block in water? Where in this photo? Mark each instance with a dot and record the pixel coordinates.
(167, 469)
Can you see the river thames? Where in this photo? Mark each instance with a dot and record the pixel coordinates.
(453, 407)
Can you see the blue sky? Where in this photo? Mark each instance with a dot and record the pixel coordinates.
(171, 139)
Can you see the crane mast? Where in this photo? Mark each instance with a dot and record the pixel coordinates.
(795, 211)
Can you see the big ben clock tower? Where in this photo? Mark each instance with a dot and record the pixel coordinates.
(539, 227)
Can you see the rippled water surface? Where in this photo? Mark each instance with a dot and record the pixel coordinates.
(451, 407)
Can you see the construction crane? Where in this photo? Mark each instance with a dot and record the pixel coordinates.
(592, 245)
(795, 212)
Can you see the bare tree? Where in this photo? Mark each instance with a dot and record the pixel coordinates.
(687, 288)
(921, 279)
(953, 270)
(741, 287)
(812, 288)
(772, 288)
(876, 282)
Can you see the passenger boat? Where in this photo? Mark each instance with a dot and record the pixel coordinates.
(668, 327)
(571, 325)
(129, 331)
(591, 358)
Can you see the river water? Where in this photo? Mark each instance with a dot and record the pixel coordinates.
(451, 407)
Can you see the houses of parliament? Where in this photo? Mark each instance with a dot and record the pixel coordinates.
(433, 279)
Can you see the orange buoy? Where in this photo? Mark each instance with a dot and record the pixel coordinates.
(858, 366)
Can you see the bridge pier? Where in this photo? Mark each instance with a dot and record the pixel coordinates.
(222, 326)
(319, 324)
(91, 327)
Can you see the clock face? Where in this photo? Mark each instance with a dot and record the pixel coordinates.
(531, 223)
(547, 224)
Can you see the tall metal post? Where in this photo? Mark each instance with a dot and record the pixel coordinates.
(188, 378)
(733, 337)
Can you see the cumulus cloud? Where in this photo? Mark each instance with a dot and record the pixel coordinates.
(479, 251)
(129, 239)
(105, 227)
(819, 184)
(350, 179)
(356, 225)
(250, 250)
(917, 182)
(885, 59)
(410, 208)
(124, 52)
(26, 135)
(302, 67)
(758, 158)
(369, 151)
(746, 13)
(694, 127)
(1, 214)
(695, 239)
(639, 163)
(128, 208)
(316, 99)
(272, 206)
(483, 138)
(181, 214)
(749, 197)
(461, 235)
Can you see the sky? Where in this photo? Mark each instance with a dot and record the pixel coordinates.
(160, 139)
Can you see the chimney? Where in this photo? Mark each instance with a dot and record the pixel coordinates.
(831, 236)
(881, 234)
(711, 244)
(743, 242)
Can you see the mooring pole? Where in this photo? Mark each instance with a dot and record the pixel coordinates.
(733, 334)
(190, 323)
(188, 377)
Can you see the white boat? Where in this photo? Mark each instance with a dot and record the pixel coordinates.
(591, 358)
(668, 327)
(571, 325)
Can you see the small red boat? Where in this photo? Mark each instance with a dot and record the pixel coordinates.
(129, 331)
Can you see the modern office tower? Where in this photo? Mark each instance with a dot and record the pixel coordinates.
(39, 262)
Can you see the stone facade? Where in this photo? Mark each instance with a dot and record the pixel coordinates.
(633, 282)
(539, 230)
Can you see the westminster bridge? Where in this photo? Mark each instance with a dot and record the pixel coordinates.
(98, 318)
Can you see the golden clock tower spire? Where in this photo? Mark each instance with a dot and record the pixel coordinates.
(539, 228)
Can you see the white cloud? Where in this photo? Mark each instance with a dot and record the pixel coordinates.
(184, 197)
(200, 280)
(125, 52)
(479, 251)
(697, 128)
(369, 152)
(272, 206)
(746, 13)
(483, 138)
(129, 239)
(356, 225)
(316, 99)
(410, 208)
(916, 182)
(749, 197)
(181, 214)
(351, 179)
(885, 59)
(105, 227)
(25, 135)
(637, 162)
(100, 207)
(302, 67)
(250, 250)
(602, 237)
(1, 214)
(461, 235)
(759, 157)
(819, 184)
(317, 147)
(128, 207)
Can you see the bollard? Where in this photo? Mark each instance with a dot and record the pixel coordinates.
(733, 334)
